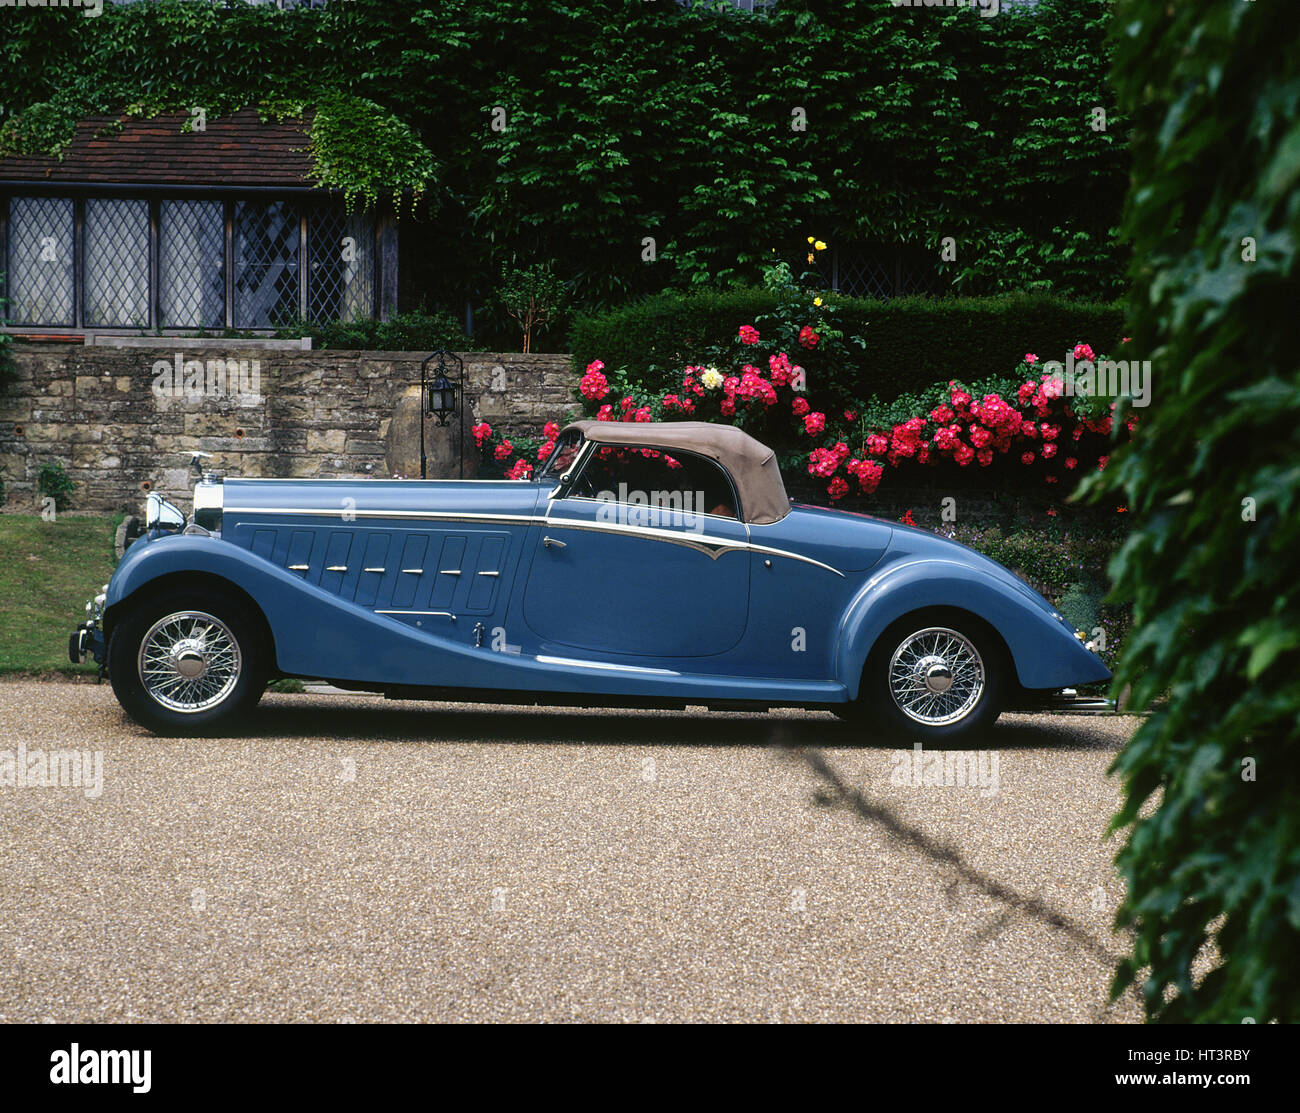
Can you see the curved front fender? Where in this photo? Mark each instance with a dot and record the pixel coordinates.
(1043, 648)
(311, 627)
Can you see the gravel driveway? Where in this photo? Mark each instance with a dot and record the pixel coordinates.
(353, 859)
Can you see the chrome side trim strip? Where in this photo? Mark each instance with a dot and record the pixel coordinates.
(299, 567)
(572, 662)
(794, 556)
(436, 614)
(405, 515)
(712, 547)
(336, 568)
(489, 573)
(374, 570)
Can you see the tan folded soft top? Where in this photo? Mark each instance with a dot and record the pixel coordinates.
(751, 463)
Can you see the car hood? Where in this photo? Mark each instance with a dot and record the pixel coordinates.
(369, 498)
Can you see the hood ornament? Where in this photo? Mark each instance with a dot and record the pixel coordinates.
(201, 473)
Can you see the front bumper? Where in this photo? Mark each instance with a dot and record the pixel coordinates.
(86, 642)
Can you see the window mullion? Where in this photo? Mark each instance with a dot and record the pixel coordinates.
(78, 262)
(229, 230)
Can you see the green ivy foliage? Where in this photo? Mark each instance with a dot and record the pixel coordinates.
(1211, 779)
(364, 151)
(580, 131)
(168, 55)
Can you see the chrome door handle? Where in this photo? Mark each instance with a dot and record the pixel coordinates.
(550, 541)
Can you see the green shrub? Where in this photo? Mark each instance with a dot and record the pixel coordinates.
(1211, 857)
(53, 481)
(1081, 603)
(910, 343)
(7, 369)
(406, 332)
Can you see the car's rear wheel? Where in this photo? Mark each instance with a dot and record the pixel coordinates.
(936, 676)
(188, 661)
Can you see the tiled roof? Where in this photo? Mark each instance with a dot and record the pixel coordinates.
(235, 150)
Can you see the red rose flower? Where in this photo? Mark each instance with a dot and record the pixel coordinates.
(594, 385)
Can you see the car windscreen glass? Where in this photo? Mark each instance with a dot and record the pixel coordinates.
(566, 449)
(655, 477)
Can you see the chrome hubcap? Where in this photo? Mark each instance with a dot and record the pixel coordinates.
(189, 661)
(936, 676)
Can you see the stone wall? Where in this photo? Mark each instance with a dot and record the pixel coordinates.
(119, 418)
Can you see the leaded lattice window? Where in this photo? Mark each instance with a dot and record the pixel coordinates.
(341, 247)
(880, 272)
(267, 261)
(192, 264)
(39, 269)
(128, 263)
(115, 254)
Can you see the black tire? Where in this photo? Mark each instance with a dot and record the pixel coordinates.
(877, 702)
(233, 657)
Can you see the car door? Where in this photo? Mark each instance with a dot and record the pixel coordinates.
(644, 555)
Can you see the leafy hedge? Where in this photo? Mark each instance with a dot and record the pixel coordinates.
(405, 332)
(1211, 779)
(911, 343)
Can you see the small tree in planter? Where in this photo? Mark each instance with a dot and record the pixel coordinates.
(534, 296)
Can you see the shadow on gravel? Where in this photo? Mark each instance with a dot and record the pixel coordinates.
(306, 716)
(950, 860)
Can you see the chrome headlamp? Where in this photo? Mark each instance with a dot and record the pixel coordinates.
(209, 498)
(95, 608)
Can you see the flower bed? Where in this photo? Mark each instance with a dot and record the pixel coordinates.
(776, 379)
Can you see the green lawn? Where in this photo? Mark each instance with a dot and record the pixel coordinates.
(47, 572)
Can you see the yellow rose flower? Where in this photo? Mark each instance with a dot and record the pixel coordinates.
(820, 246)
(817, 301)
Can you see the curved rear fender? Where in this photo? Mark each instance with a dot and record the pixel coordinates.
(1044, 651)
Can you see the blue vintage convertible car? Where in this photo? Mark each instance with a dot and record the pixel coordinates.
(646, 565)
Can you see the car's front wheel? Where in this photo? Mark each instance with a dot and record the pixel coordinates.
(936, 677)
(187, 661)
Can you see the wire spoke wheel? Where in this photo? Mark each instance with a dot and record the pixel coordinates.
(189, 661)
(936, 676)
